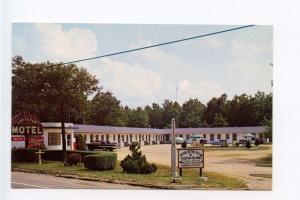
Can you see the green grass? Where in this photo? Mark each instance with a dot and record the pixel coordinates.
(161, 178)
(264, 162)
(262, 175)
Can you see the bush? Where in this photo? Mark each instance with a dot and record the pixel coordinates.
(57, 155)
(257, 142)
(136, 163)
(73, 158)
(237, 144)
(80, 142)
(248, 144)
(24, 155)
(183, 145)
(102, 161)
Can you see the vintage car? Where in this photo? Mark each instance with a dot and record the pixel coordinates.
(103, 145)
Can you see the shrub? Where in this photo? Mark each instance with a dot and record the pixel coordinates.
(102, 161)
(248, 144)
(257, 142)
(24, 155)
(73, 158)
(80, 142)
(183, 145)
(136, 162)
(57, 155)
(237, 144)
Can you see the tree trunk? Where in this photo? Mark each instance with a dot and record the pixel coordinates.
(63, 131)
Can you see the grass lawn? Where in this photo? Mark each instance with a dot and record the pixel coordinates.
(265, 161)
(160, 179)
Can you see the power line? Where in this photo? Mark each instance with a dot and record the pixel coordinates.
(155, 45)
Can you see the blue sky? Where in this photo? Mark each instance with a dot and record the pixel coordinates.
(233, 63)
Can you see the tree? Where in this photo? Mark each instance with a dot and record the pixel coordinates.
(65, 87)
(219, 121)
(105, 109)
(170, 110)
(155, 115)
(215, 106)
(138, 118)
(191, 114)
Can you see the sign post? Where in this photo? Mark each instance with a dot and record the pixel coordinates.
(173, 154)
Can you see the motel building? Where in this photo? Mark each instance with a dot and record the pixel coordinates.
(51, 134)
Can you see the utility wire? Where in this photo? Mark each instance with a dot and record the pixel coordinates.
(155, 45)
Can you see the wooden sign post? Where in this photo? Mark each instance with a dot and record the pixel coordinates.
(190, 158)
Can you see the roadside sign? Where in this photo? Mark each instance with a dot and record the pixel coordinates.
(190, 158)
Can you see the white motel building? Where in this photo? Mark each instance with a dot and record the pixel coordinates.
(126, 135)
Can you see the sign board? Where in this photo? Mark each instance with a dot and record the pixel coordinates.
(35, 141)
(190, 158)
(27, 127)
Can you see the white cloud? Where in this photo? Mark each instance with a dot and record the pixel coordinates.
(57, 44)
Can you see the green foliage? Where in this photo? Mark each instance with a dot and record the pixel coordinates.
(268, 124)
(80, 142)
(191, 114)
(57, 155)
(24, 155)
(155, 115)
(105, 109)
(219, 121)
(138, 118)
(73, 159)
(102, 161)
(136, 163)
(170, 110)
(248, 144)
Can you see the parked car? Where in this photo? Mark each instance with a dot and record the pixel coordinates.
(179, 140)
(103, 145)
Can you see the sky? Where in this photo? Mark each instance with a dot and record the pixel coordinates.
(234, 63)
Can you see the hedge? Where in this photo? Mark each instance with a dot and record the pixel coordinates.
(57, 155)
(24, 155)
(100, 161)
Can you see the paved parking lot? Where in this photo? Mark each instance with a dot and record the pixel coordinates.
(235, 163)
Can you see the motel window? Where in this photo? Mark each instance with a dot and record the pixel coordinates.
(92, 137)
(212, 137)
(68, 140)
(130, 137)
(188, 137)
(227, 136)
(114, 136)
(126, 138)
(204, 135)
(84, 137)
(122, 136)
(219, 136)
(119, 138)
(54, 139)
(107, 137)
(140, 137)
(102, 137)
(143, 137)
(234, 137)
(146, 137)
(135, 137)
(156, 138)
(97, 137)
(149, 138)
